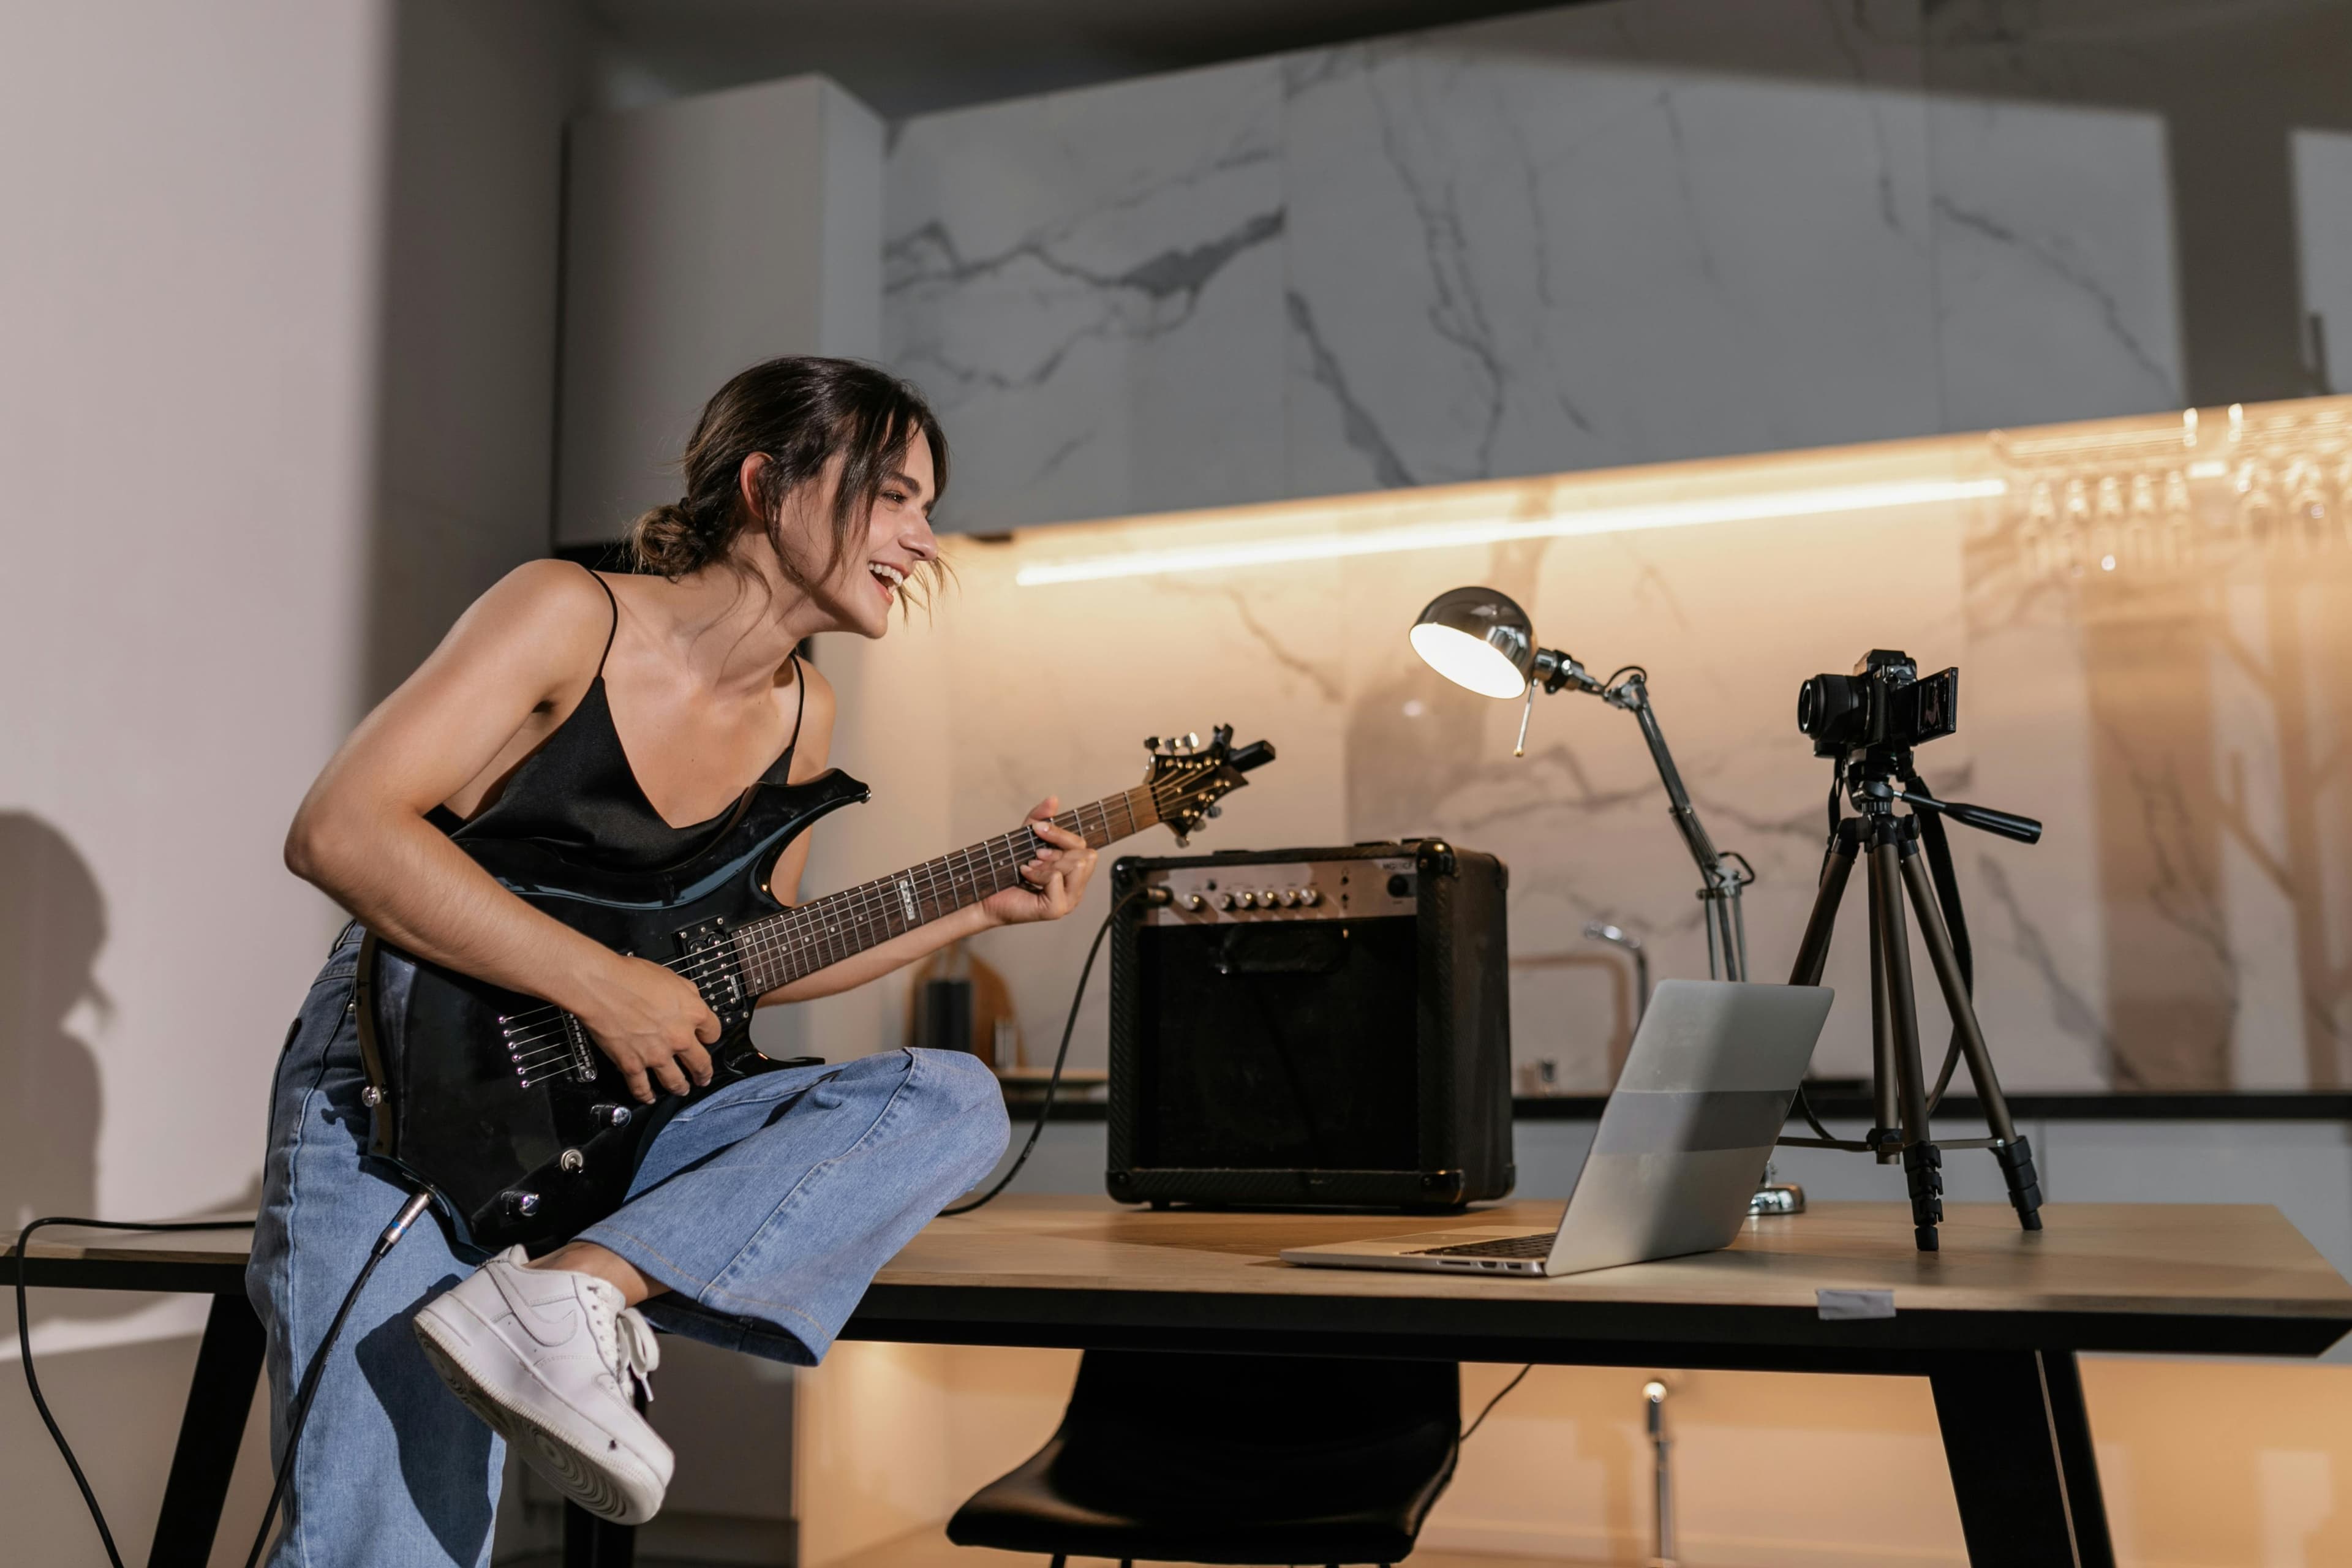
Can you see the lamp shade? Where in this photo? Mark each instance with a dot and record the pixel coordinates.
(1479, 638)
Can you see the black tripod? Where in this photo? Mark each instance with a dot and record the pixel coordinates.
(1902, 1100)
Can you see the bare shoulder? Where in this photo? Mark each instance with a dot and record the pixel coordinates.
(541, 623)
(820, 691)
(550, 595)
(813, 746)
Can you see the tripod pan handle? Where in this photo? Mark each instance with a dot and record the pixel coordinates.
(1984, 818)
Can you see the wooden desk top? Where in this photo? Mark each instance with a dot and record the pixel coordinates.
(2178, 1278)
(202, 1262)
(2219, 1278)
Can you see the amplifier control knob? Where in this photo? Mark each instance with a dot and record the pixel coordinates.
(1288, 898)
(1308, 898)
(1195, 903)
(1248, 900)
(1224, 900)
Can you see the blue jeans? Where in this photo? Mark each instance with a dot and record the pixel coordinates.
(766, 1209)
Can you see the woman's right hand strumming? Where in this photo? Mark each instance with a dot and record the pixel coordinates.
(653, 1023)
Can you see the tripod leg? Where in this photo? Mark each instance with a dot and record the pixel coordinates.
(1886, 1115)
(1922, 1161)
(2016, 1155)
(1814, 952)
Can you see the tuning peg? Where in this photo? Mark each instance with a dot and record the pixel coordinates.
(1151, 744)
(1214, 811)
(1192, 741)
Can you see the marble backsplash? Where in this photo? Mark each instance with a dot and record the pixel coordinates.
(2152, 619)
(1599, 235)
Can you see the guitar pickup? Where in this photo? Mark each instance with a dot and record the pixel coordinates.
(712, 961)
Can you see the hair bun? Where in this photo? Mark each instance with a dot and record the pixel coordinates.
(666, 543)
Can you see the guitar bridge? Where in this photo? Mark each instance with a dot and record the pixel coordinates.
(539, 1060)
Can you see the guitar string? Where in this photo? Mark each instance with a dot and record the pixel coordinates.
(757, 945)
(791, 934)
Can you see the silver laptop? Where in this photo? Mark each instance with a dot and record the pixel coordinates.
(1680, 1148)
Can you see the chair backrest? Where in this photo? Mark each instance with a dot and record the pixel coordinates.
(1245, 1434)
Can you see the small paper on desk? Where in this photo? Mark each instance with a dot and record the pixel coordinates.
(1841, 1304)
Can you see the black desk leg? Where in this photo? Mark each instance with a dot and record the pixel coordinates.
(2017, 1442)
(593, 1543)
(2070, 1422)
(228, 1364)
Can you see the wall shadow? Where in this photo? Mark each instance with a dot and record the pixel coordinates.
(52, 928)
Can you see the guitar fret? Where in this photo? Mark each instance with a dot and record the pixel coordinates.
(797, 942)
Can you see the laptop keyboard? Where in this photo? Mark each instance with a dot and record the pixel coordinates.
(1508, 1247)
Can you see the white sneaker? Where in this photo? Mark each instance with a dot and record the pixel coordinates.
(551, 1360)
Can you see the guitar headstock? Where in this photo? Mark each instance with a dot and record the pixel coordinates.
(1187, 779)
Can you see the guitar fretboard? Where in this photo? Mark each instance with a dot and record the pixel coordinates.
(782, 947)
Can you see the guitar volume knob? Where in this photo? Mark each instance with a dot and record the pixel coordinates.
(607, 1115)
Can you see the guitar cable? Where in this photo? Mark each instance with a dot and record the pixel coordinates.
(1069, 1026)
(384, 1243)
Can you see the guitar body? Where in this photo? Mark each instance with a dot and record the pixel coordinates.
(500, 1106)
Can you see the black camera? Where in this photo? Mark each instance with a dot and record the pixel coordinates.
(1884, 702)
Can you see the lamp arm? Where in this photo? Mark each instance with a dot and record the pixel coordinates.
(1633, 696)
(1722, 875)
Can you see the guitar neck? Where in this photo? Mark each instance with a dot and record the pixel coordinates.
(782, 947)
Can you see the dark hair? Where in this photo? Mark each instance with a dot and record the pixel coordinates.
(800, 411)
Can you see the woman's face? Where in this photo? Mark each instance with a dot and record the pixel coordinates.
(863, 590)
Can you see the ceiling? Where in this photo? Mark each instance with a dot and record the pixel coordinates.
(908, 57)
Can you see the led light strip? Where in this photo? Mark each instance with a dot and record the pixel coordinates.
(1453, 535)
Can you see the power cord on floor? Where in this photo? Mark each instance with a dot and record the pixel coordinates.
(1069, 1026)
(384, 1243)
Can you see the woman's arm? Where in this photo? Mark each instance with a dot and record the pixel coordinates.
(362, 835)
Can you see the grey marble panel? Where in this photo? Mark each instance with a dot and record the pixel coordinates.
(1567, 241)
(2323, 221)
(2055, 293)
(1088, 285)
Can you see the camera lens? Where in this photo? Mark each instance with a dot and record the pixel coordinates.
(1832, 709)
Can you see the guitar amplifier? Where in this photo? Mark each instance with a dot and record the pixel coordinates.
(1311, 1027)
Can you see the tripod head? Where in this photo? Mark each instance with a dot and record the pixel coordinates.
(1876, 777)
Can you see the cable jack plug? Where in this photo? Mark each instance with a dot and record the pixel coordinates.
(416, 1205)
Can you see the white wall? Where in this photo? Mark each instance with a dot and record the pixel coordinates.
(703, 236)
(258, 449)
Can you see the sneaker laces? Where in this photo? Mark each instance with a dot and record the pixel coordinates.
(640, 1353)
(625, 1338)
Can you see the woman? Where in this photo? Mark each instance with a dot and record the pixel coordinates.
(600, 713)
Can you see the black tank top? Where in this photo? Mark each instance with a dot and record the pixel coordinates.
(577, 792)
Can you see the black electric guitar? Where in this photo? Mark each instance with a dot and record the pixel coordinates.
(503, 1109)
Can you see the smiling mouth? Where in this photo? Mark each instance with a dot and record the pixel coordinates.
(888, 576)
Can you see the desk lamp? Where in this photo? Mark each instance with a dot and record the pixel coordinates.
(1480, 638)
